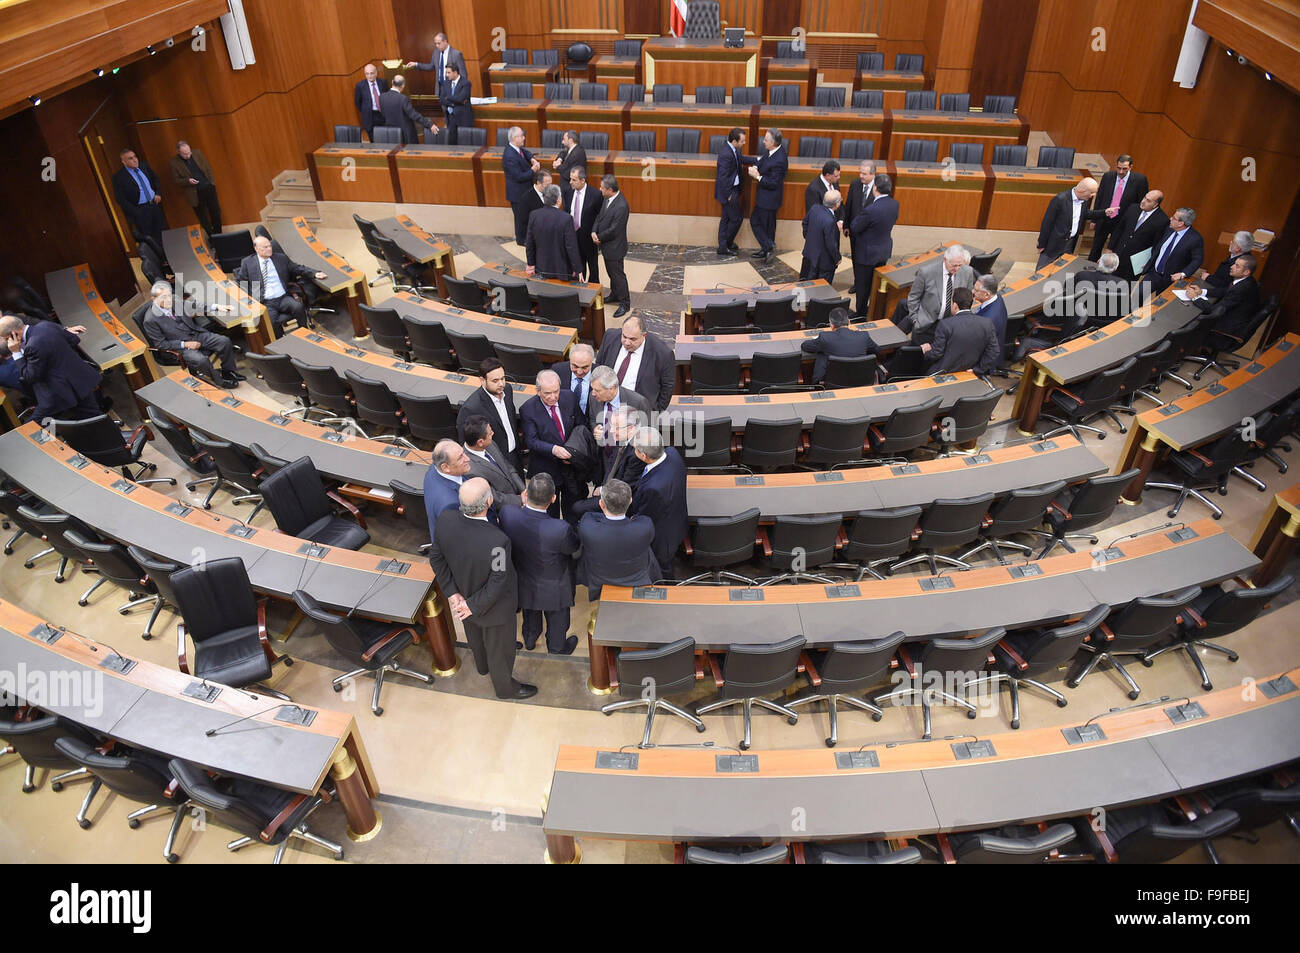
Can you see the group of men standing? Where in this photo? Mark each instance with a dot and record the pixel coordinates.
(380, 103)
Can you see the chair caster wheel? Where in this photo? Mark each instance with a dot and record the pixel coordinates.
(1146, 661)
(1171, 513)
(9, 551)
(1218, 516)
(1015, 724)
(744, 746)
(133, 823)
(792, 720)
(173, 858)
(1207, 686)
(146, 636)
(83, 602)
(378, 712)
(339, 688)
(830, 743)
(85, 823)
(339, 855)
(288, 662)
(1062, 703)
(1133, 695)
(55, 786)
(28, 788)
(877, 717)
(1234, 657)
(1071, 683)
(698, 728)
(971, 714)
(1101, 436)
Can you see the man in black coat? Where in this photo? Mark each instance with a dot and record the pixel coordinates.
(543, 549)
(519, 166)
(660, 494)
(397, 111)
(1177, 253)
(51, 368)
(572, 156)
(1064, 219)
(727, 184)
(609, 234)
(487, 462)
(812, 197)
(197, 346)
(860, 196)
(455, 91)
(135, 186)
(549, 420)
(769, 173)
(642, 362)
(266, 276)
(575, 373)
(821, 247)
(1121, 188)
(840, 341)
(1136, 230)
(1239, 299)
(551, 244)
(616, 547)
(1239, 245)
(582, 203)
(366, 95)
(873, 239)
(966, 341)
(618, 459)
(495, 400)
(473, 563)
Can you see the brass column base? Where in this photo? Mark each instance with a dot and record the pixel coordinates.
(447, 673)
(577, 855)
(1026, 433)
(373, 833)
(591, 687)
(1128, 502)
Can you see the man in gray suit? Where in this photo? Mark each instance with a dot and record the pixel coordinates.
(609, 233)
(931, 296)
(607, 396)
(487, 462)
(444, 54)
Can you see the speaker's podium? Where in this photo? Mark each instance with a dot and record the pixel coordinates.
(693, 63)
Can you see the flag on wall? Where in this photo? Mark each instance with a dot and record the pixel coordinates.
(677, 17)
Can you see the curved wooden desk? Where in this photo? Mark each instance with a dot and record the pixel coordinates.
(300, 243)
(1275, 538)
(590, 296)
(212, 290)
(420, 246)
(550, 341)
(107, 341)
(894, 279)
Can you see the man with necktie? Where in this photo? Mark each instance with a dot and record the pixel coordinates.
(1064, 219)
(484, 461)
(135, 186)
(543, 549)
(444, 54)
(583, 205)
(1136, 231)
(1120, 188)
(770, 174)
(1176, 254)
(455, 92)
(548, 420)
(726, 189)
(266, 277)
(166, 330)
(609, 234)
(642, 362)
(519, 166)
(366, 97)
(575, 373)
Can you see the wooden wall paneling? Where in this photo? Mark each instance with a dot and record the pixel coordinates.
(780, 17)
(743, 13)
(1001, 48)
(469, 26)
(417, 22)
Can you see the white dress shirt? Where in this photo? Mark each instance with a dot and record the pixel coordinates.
(1076, 209)
(500, 404)
(633, 367)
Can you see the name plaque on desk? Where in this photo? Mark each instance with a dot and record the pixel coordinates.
(966, 750)
(736, 763)
(1097, 336)
(117, 663)
(295, 715)
(1168, 409)
(1283, 346)
(313, 550)
(42, 436)
(231, 401)
(280, 420)
(314, 338)
(690, 400)
(650, 592)
(455, 378)
(851, 760)
(1083, 734)
(823, 394)
(828, 476)
(355, 351)
(757, 399)
(241, 531)
(1182, 535)
(1181, 714)
(704, 338)
(402, 366)
(393, 565)
(1044, 446)
(77, 462)
(500, 320)
(125, 486)
(885, 388)
(46, 633)
(193, 383)
(905, 469)
(202, 691)
(746, 595)
(617, 760)
(977, 459)
(1106, 555)
(944, 378)
(750, 481)
(1254, 368)
(177, 509)
(398, 452)
(843, 592)
(1275, 687)
(1215, 389)
(1024, 572)
(933, 583)
(760, 337)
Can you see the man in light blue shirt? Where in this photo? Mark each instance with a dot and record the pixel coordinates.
(266, 276)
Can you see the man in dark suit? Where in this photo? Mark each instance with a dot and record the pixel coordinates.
(52, 369)
(1241, 244)
(812, 197)
(1105, 295)
(165, 329)
(727, 187)
(455, 92)
(821, 246)
(1064, 219)
(607, 396)
(495, 400)
(1176, 254)
(583, 205)
(448, 470)
(396, 109)
(840, 341)
(660, 494)
(642, 362)
(543, 549)
(769, 173)
(485, 461)
(575, 373)
(549, 420)
(266, 276)
(135, 186)
(572, 156)
(966, 341)
(609, 234)
(550, 244)
(1120, 188)
(1239, 299)
(989, 304)
(519, 166)
(481, 587)
(366, 96)
(443, 55)
(873, 238)
(1136, 231)
(860, 196)
(618, 460)
(191, 171)
(616, 547)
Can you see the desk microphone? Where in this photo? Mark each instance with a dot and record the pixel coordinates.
(1144, 532)
(211, 732)
(1146, 704)
(118, 662)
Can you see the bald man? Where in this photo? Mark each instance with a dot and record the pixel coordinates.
(266, 277)
(1064, 220)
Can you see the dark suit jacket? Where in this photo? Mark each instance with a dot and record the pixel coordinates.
(170, 332)
(507, 485)
(1240, 303)
(873, 231)
(249, 273)
(965, 341)
(995, 309)
(658, 373)
(1054, 236)
(1128, 239)
(543, 548)
(1185, 257)
(625, 466)
(592, 201)
(1221, 278)
(439, 61)
(1134, 188)
(465, 560)
(730, 163)
(398, 111)
(551, 245)
(365, 107)
(841, 342)
(439, 494)
(577, 156)
(661, 495)
(519, 173)
(54, 370)
(127, 191)
(616, 552)
(479, 403)
(565, 372)
(540, 435)
(859, 198)
(596, 408)
(822, 242)
(771, 187)
(456, 105)
(611, 227)
(180, 171)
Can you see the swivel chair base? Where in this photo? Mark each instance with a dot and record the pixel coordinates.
(833, 701)
(652, 705)
(379, 674)
(791, 716)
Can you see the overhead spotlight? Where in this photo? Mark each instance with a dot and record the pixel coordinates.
(36, 100)
(170, 43)
(1241, 60)
(1269, 77)
(1230, 53)
(150, 50)
(115, 69)
(99, 72)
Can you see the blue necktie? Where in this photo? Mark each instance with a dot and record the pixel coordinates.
(146, 192)
(1164, 252)
(580, 389)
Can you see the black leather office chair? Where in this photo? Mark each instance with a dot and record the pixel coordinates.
(947, 524)
(377, 406)
(797, 545)
(467, 136)
(521, 364)
(716, 542)
(1204, 469)
(717, 142)
(1012, 844)
(35, 740)
(771, 443)
(967, 153)
(920, 150)
(371, 645)
(1056, 157)
(667, 93)
(114, 564)
(258, 812)
(1091, 400)
(711, 95)
(370, 236)
(1135, 382)
(947, 662)
(237, 472)
(53, 527)
(704, 445)
(868, 99)
(300, 504)
(871, 62)
(631, 92)
(428, 419)
(730, 318)
(909, 62)
(279, 374)
(1217, 612)
(11, 500)
(845, 669)
(1152, 833)
(906, 429)
(516, 91)
(1132, 629)
(179, 439)
(686, 141)
(639, 140)
(407, 273)
(776, 373)
(231, 248)
(558, 92)
(749, 672)
(862, 852)
(387, 330)
(326, 390)
(466, 294)
(724, 856)
(815, 147)
(712, 374)
(999, 104)
(1087, 504)
(1270, 429)
(835, 441)
(783, 94)
(593, 92)
(908, 362)
(627, 47)
(1259, 800)
(514, 57)
(1183, 343)
(983, 264)
(561, 308)
(744, 96)
(408, 503)
(855, 150)
(546, 57)
(1022, 656)
(1219, 342)
(966, 421)
(955, 103)
(1020, 511)
(429, 342)
(829, 97)
(920, 100)
(670, 669)
(347, 133)
(101, 439)
(389, 135)
(876, 538)
(819, 311)
(157, 579)
(847, 372)
(1017, 156)
(470, 350)
(139, 776)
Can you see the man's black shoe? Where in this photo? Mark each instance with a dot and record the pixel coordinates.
(622, 310)
(524, 691)
(570, 644)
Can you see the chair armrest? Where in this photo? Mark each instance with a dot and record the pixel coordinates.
(169, 792)
(262, 637)
(180, 648)
(796, 851)
(1202, 457)
(716, 669)
(945, 849)
(1107, 848)
(906, 660)
(1012, 654)
(841, 538)
(1194, 616)
(699, 665)
(765, 541)
(876, 432)
(806, 663)
(269, 831)
(1046, 327)
(356, 513)
(612, 660)
(1105, 630)
(1074, 397)
(679, 853)
(686, 545)
(369, 653)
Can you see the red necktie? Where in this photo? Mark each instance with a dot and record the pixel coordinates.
(374, 94)
(555, 415)
(622, 368)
